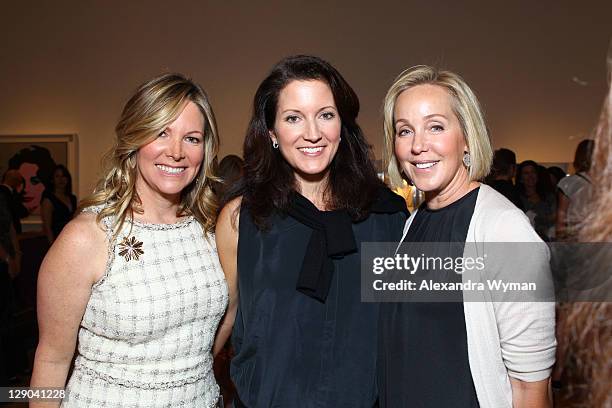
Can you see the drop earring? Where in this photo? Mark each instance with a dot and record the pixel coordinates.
(467, 159)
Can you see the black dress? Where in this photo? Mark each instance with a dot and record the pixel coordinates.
(291, 349)
(62, 214)
(423, 355)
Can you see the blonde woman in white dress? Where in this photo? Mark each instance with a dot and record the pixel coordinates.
(135, 277)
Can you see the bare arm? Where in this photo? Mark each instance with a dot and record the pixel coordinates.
(46, 213)
(226, 235)
(75, 261)
(531, 394)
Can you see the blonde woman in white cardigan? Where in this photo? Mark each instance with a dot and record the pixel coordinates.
(476, 353)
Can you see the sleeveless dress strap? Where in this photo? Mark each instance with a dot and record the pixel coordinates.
(107, 222)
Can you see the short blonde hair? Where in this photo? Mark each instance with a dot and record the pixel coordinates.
(153, 106)
(464, 105)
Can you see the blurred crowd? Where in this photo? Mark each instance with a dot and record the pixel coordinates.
(554, 201)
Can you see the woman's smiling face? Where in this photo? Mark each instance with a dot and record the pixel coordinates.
(172, 161)
(429, 142)
(307, 128)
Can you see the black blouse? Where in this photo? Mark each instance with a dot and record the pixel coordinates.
(293, 350)
(423, 356)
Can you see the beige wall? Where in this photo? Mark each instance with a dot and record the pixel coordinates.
(68, 67)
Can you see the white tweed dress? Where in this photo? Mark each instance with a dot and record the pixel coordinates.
(148, 329)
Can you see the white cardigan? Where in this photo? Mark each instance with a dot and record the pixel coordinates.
(515, 339)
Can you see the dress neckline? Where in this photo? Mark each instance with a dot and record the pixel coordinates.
(153, 226)
(453, 204)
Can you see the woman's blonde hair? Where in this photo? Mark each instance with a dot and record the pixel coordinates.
(465, 106)
(151, 108)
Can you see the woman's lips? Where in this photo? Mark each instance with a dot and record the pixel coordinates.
(425, 165)
(311, 151)
(170, 170)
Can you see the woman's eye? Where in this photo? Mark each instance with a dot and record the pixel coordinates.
(403, 132)
(163, 133)
(292, 118)
(328, 115)
(437, 128)
(192, 139)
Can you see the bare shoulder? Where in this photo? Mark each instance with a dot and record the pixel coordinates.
(81, 248)
(82, 231)
(228, 220)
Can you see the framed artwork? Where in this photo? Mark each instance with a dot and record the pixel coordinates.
(35, 157)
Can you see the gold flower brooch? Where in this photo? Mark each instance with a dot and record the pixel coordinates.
(130, 248)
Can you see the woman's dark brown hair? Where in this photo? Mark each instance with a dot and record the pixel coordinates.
(584, 153)
(65, 173)
(269, 180)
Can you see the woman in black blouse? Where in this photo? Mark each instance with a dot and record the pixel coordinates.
(58, 203)
(310, 197)
(458, 348)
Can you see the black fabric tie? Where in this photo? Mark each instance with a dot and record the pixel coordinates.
(332, 236)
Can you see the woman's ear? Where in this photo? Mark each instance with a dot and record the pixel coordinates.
(272, 136)
(273, 139)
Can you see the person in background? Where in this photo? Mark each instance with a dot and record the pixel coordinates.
(136, 274)
(9, 268)
(556, 174)
(502, 175)
(12, 355)
(58, 203)
(290, 240)
(12, 188)
(460, 354)
(574, 193)
(537, 201)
